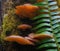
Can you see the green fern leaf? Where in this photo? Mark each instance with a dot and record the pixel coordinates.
(49, 23)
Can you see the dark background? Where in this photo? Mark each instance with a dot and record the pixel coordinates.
(0, 13)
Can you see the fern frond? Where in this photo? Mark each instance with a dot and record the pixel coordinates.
(48, 21)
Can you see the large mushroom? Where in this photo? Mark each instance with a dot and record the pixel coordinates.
(27, 11)
(19, 39)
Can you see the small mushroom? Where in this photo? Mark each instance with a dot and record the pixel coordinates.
(26, 10)
(24, 26)
(19, 39)
(40, 0)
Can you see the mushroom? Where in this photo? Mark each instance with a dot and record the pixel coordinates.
(19, 39)
(40, 36)
(26, 11)
(24, 26)
(40, 0)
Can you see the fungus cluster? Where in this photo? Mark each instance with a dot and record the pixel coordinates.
(26, 11)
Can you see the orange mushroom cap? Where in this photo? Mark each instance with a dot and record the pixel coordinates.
(31, 39)
(40, 36)
(27, 40)
(26, 10)
(40, 0)
(19, 39)
(24, 26)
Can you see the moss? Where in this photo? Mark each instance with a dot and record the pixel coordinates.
(10, 22)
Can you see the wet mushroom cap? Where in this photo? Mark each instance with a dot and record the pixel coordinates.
(40, 36)
(24, 26)
(26, 10)
(40, 0)
(19, 39)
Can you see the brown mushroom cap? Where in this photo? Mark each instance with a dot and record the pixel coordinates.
(19, 39)
(26, 10)
(40, 0)
(31, 39)
(40, 36)
(24, 26)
